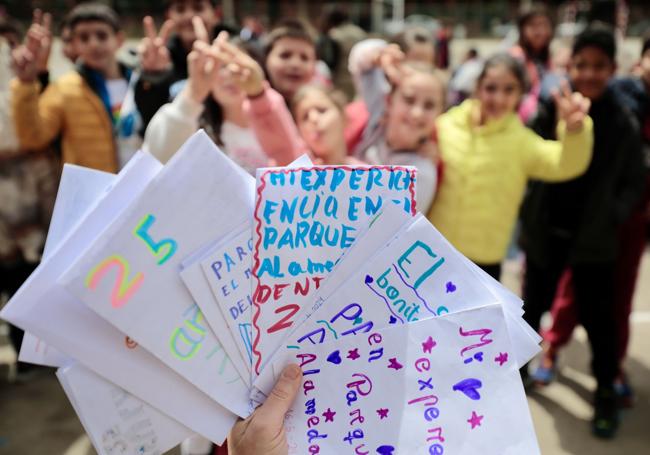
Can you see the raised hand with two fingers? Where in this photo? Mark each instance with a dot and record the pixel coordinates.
(31, 58)
(152, 50)
(572, 107)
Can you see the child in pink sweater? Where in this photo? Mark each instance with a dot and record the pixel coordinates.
(227, 95)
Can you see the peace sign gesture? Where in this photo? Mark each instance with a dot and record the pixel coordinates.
(572, 107)
(153, 52)
(39, 39)
(31, 58)
(248, 74)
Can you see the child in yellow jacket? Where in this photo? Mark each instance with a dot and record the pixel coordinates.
(82, 106)
(489, 155)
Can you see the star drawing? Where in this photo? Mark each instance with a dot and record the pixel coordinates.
(353, 354)
(329, 415)
(394, 364)
(383, 413)
(501, 358)
(475, 420)
(428, 345)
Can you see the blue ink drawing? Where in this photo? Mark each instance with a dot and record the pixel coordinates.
(414, 290)
(369, 280)
(246, 333)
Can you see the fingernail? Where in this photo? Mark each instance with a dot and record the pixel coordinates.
(291, 372)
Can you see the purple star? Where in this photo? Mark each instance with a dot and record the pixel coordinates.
(501, 358)
(383, 413)
(475, 420)
(353, 354)
(428, 345)
(329, 415)
(394, 364)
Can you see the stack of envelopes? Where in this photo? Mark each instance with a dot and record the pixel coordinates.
(171, 297)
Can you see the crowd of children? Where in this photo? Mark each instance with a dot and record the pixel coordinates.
(563, 153)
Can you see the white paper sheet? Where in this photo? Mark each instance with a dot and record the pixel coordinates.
(228, 272)
(197, 193)
(79, 189)
(416, 275)
(46, 309)
(441, 385)
(116, 421)
(304, 220)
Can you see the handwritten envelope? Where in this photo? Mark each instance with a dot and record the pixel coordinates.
(414, 276)
(199, 287)
(304, 220)
(440, 385)
(45, 309)
(130, 275)
(228, 272)
(116, 421)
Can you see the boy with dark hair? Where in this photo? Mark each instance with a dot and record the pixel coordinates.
(634, 93)
(574, 224)
(163, 55)
(290, 57)
(83, 106)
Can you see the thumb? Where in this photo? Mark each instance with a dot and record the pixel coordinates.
(281, 397)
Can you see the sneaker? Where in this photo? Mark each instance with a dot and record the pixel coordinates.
(605, 422)
(546, 371)
(624, 392)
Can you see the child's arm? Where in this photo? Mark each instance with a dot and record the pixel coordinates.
(38, 118)
(369, 78)
(267, 112)
(172, 125)
(570, 155)
(274, 127)
(175, 122)
(152, 88)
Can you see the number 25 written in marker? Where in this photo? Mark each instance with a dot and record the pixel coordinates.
(124, 288)
(164, 249)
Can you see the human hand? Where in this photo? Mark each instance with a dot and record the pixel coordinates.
(391, 61)
(247, 73)
(263, 431)
(201, 65)
(152, 50)
(572, 107)
(39, 39)
(31, 57)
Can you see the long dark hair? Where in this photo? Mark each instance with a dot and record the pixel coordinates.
(525, 16)
(213, 116)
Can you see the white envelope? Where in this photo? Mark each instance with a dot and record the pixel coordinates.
(130, 275)
(48, 311)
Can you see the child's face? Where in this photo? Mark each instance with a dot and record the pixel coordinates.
(225, 91)
(412, 110)
(590, 70)
(321, 124)
(499, 93)
(538, 32)
(181, 13)
(69, 50)
(96, 44)
(645, 67)
(290, 65)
